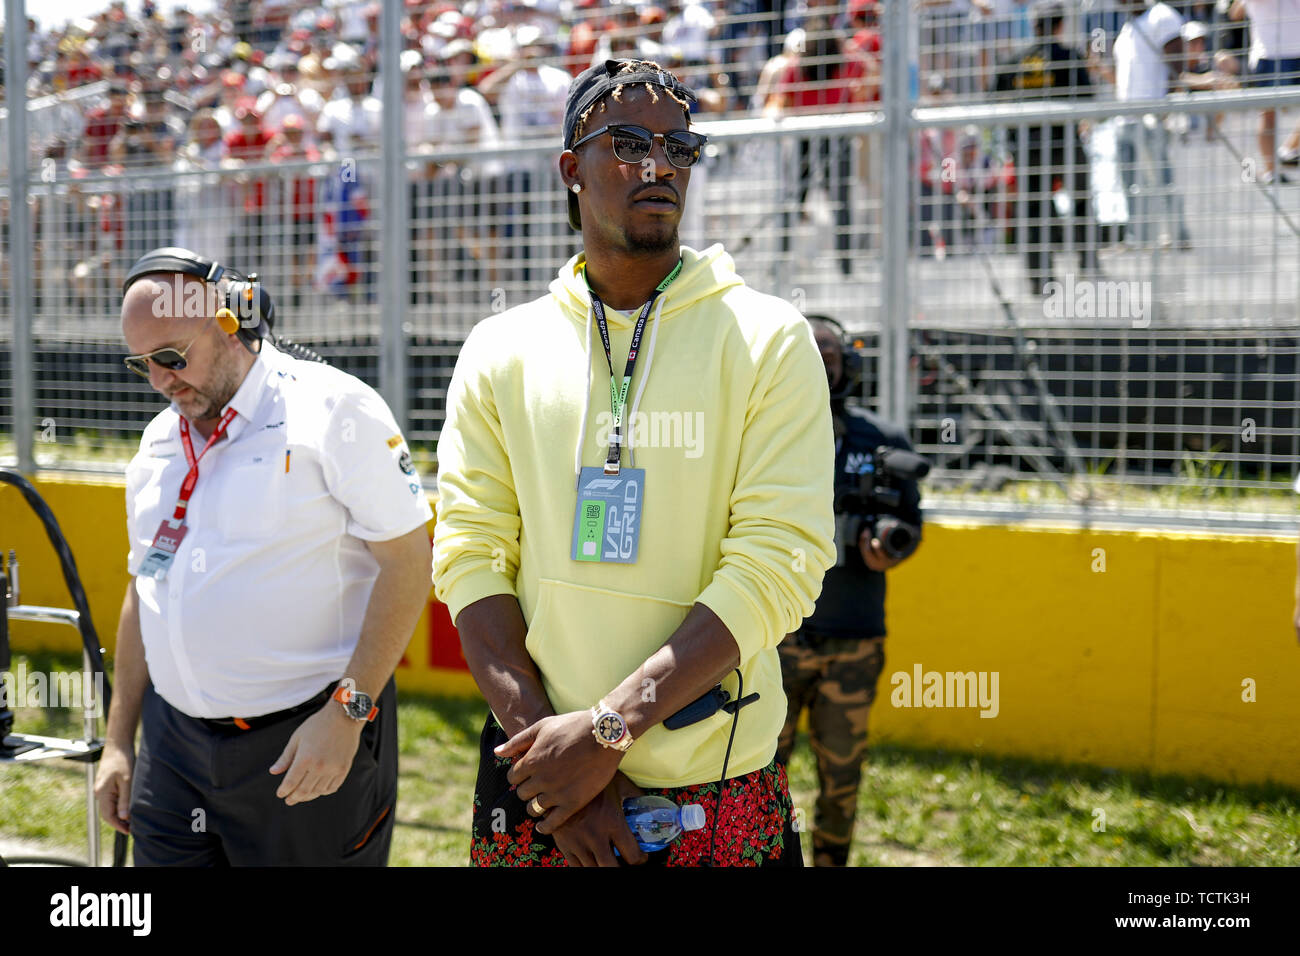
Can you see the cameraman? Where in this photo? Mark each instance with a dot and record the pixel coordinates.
(831, 664)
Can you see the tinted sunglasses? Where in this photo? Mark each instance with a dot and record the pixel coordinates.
(633, 143)
(169, 358)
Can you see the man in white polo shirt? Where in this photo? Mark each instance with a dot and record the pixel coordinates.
(280, 561)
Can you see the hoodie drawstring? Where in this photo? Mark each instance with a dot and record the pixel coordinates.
(586, 404)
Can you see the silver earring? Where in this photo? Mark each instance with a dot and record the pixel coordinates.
(577, 188)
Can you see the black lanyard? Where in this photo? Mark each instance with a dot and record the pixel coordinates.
(617, 393)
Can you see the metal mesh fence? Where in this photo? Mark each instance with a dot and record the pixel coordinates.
(1090, 308)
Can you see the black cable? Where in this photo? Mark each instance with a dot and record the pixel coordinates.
(71, 578)
(735, 719)
(297, 350)
(85, 624)
(1057, 433)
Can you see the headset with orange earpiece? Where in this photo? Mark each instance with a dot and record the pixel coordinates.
(248, 310)
(851, 378)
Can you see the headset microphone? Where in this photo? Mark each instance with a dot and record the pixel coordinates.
(249, 310)
(850, 358)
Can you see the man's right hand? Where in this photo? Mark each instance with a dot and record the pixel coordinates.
(113, 786)
(585, 839)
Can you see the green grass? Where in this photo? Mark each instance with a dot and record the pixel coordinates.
(915, 807)
(944, 808)
(1193, 489)
(61, 447)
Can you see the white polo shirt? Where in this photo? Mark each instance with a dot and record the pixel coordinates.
(1140, 70)
(263, 604)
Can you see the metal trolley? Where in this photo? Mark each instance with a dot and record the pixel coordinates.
(17, 748)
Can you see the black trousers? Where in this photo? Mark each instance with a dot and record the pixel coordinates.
(1044, 225)
(204, 797)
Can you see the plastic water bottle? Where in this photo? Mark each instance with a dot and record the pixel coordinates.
(657, 821)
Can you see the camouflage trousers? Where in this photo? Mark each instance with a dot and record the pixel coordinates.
(835, 678)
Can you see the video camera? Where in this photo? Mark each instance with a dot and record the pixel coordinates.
(867, 503)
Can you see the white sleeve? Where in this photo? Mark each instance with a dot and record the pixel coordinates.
(368, 468)
(136, 545)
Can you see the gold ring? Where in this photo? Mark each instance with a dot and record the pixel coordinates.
(535, 808)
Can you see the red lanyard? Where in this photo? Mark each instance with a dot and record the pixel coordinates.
(192, 476)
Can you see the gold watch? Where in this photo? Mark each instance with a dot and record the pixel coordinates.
(609, 728)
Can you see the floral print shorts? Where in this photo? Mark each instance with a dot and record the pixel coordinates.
(754, 820)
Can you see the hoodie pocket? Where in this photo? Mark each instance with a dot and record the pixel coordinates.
(585, 640)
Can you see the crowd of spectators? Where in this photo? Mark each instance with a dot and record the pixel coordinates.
(253, 82)
(493, 70)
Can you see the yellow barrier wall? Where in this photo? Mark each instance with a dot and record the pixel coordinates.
(1117, 648)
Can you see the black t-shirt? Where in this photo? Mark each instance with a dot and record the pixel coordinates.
(852, 602)
(1044, 71)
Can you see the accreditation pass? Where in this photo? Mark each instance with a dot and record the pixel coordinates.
(607, 521)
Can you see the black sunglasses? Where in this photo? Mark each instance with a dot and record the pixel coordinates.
(633, 143)
(169, 358)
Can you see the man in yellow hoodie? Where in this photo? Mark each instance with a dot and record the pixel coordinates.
(609, 564)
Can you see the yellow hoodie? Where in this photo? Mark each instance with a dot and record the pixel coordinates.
(730, 418)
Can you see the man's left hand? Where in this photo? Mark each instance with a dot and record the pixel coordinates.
(873, 553)
(318, 756)
(559, 761)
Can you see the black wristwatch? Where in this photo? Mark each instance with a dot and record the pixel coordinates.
(356, 705)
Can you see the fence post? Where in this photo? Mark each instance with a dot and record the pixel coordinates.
(393, 270)
(895, 235)
(20, 235)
